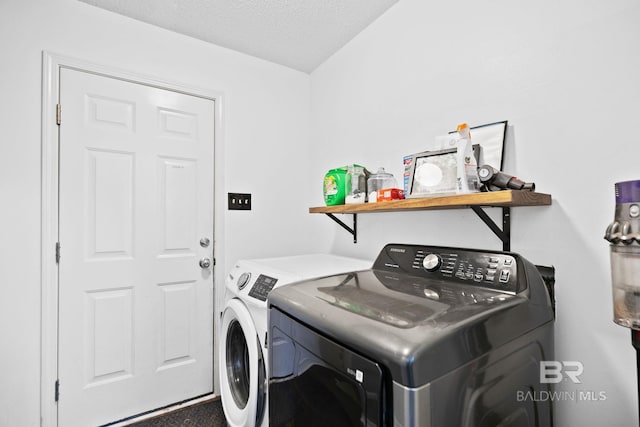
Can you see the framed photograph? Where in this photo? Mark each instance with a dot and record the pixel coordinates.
(433, 172)
(491, 139)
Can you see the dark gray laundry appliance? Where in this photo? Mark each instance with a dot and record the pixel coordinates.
(430, 336)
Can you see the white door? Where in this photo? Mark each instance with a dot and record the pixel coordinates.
(136, 198)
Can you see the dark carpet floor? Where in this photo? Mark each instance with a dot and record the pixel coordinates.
(205, 414)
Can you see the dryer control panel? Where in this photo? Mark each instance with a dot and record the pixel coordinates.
(494, 270)
(264, 284)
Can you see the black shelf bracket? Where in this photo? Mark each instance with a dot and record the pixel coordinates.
(503, 234)
(353, 231)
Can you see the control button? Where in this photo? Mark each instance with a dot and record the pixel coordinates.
(493, 265)
(508, 261)
(634, 211)
(478, 277)
(504, 276)
(493, 260)
(432, 262)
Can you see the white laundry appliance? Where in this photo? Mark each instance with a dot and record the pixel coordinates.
(243, 353)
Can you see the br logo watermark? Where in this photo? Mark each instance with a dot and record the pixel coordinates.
(553, 371)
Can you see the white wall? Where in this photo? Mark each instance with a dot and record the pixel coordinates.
(566, 76)
(266, 125)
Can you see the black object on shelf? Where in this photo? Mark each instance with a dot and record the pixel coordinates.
(494, 179)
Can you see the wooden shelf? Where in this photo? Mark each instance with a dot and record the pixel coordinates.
(505, 199)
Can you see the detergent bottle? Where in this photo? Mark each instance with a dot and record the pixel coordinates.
(335, 186)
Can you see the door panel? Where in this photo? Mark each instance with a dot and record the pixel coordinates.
(108, 336)
(177, 317)
(177, 124)
(136, 197)
(109, 196)
(179, 199)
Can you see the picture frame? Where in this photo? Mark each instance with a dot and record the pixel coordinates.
(433, 173)
(491, 140)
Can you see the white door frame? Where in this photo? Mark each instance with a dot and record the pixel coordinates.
(51, 64)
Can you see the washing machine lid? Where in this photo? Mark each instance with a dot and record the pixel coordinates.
(421, 324)
(253, 279)
(307, 266)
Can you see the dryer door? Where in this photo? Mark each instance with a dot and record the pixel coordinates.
(317, 382)
(242, 371)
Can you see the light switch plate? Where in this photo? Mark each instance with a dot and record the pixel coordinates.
(239, 201)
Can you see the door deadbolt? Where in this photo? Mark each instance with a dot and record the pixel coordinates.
(204, 242)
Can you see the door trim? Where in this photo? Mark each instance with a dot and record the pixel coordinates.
(51, 65)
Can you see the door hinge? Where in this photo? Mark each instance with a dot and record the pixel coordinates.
(57, 392)
(57, 252)
(58, 114)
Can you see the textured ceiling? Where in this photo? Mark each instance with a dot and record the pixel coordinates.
(300, 34)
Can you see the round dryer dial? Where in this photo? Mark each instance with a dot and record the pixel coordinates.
(243, 280)
(432, 262)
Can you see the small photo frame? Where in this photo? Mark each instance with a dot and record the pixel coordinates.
(433, 172)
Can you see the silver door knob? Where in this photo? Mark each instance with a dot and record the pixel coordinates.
(205, 263)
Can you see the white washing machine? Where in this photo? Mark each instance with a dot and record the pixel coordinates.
(243, 353)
